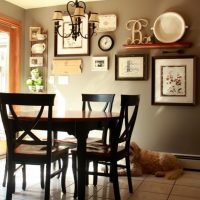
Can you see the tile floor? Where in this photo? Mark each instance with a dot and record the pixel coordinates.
(147, 187)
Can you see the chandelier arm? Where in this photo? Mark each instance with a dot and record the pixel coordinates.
(57, 27)
(73, 4)
(84, 5)
(85, 37)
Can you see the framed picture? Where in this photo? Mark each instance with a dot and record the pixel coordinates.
(69, 46)
(131, 67)
(173, 80)
(33, 31)
(107, 23)
(36, 61)
(100, 63)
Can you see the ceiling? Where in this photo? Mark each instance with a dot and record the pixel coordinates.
(28, 4)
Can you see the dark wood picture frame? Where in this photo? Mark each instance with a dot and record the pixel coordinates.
(69, 47)
(130, 67)
(174, 80)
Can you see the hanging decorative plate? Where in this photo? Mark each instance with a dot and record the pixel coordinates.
(169, 27)
(107, 23)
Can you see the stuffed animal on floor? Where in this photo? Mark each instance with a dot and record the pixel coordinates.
(152, 162)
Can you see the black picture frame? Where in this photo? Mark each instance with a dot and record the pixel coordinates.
(131, 67)
(68, 46)
(174, 80)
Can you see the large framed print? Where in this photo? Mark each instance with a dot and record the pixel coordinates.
(174, 80)
(69, 46)
(131, 67)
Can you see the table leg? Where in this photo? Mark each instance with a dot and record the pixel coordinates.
(81, 148)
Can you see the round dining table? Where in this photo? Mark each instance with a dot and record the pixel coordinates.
(79, 124)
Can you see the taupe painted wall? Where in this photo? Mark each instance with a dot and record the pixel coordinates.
(163, 128)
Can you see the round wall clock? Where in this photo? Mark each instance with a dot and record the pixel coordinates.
(106, 42)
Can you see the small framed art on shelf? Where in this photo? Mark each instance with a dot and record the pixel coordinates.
(33, 31)
(36, 61)
(131, 67)
(173, 80)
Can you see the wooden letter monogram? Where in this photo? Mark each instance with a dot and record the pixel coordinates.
(135, 26)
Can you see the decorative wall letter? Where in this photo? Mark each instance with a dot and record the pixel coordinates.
(136, 26)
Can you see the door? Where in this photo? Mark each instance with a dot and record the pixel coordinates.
(10, 30)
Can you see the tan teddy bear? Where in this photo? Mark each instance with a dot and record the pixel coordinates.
(152, 162)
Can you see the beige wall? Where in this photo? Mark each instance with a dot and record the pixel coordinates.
(163, 128)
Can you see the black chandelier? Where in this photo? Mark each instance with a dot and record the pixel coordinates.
(76, 11)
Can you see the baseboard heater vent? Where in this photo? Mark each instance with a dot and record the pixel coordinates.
(190, 162)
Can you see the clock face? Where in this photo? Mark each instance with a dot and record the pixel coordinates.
(105, 43)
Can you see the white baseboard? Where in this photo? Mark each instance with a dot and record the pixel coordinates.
(189, 161)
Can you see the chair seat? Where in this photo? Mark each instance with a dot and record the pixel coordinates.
(72, 141)
(99, 149)
(39, 151)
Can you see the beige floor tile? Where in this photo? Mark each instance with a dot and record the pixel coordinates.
(162, 188)
(175, 197)
(191, 174)
(153, 178)
(141, 195)
(194, 182)
(145, 187)
(186, 191)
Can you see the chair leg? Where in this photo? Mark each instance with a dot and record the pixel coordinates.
(24, 177)
(10, 181)
(59, 166)
(42, 176)
(115, 181)
(75, 174)
(47, 181)
(5, 174)
(64, 170)
(128, 171)
(87, 175)
(95, 166)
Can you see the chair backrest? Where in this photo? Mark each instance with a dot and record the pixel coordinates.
(20, 131)
(89, 102)
(107, 99)
(128, 115)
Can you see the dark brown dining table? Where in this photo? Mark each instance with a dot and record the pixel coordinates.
(79, 124)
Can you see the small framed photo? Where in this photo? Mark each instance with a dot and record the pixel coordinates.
(131, 67)
(33, 31)
(174, 80)
(100, 63)
(36, 61)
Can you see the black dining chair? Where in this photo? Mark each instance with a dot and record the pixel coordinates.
(114, 151)
(23, 145)
(93, 102)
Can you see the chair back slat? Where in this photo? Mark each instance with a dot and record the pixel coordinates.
(107, 99)
(128, 115)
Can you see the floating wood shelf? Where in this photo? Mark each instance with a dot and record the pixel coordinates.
(158, 45)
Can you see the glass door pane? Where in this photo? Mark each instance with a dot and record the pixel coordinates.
(4, 64)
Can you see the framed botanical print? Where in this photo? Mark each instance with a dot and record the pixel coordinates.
(69, 46)
(174, 80)
(131, 67)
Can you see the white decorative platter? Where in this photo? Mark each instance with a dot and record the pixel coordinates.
(169, 27)
(107, 23)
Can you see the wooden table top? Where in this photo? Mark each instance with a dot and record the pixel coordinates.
(73, 115)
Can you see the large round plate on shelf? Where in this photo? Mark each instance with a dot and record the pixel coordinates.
(169, 27)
